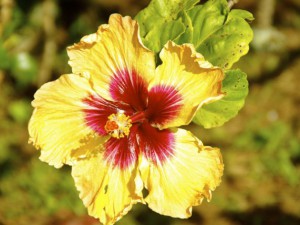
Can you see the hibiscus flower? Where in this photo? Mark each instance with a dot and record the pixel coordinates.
(115, 120)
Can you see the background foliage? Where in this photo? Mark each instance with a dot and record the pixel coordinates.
(261, 146)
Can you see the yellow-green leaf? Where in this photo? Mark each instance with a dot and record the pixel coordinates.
(161, 21)
(235, 87)
(221, 35)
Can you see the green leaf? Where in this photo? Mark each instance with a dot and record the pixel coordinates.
(242, 14)
(235, 87)
(162, 21)
(222, 36)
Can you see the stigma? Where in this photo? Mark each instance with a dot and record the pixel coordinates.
(118, 125)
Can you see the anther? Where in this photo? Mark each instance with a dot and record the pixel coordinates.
(118, 125)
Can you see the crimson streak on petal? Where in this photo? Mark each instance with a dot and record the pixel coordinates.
(130, 88)
(157, 145)
(122, 152)
(164, 103)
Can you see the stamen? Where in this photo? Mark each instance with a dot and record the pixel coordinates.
(118, 125)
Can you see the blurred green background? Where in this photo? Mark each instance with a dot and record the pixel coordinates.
(261, 146)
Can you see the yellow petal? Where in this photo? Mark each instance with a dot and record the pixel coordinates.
(116, 48)
(184, 179)
(57, 125)
(196, 80)
(107, 191)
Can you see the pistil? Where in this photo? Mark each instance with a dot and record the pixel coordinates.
(138, 117)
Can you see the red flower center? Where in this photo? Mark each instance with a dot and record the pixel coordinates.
(132, 117)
